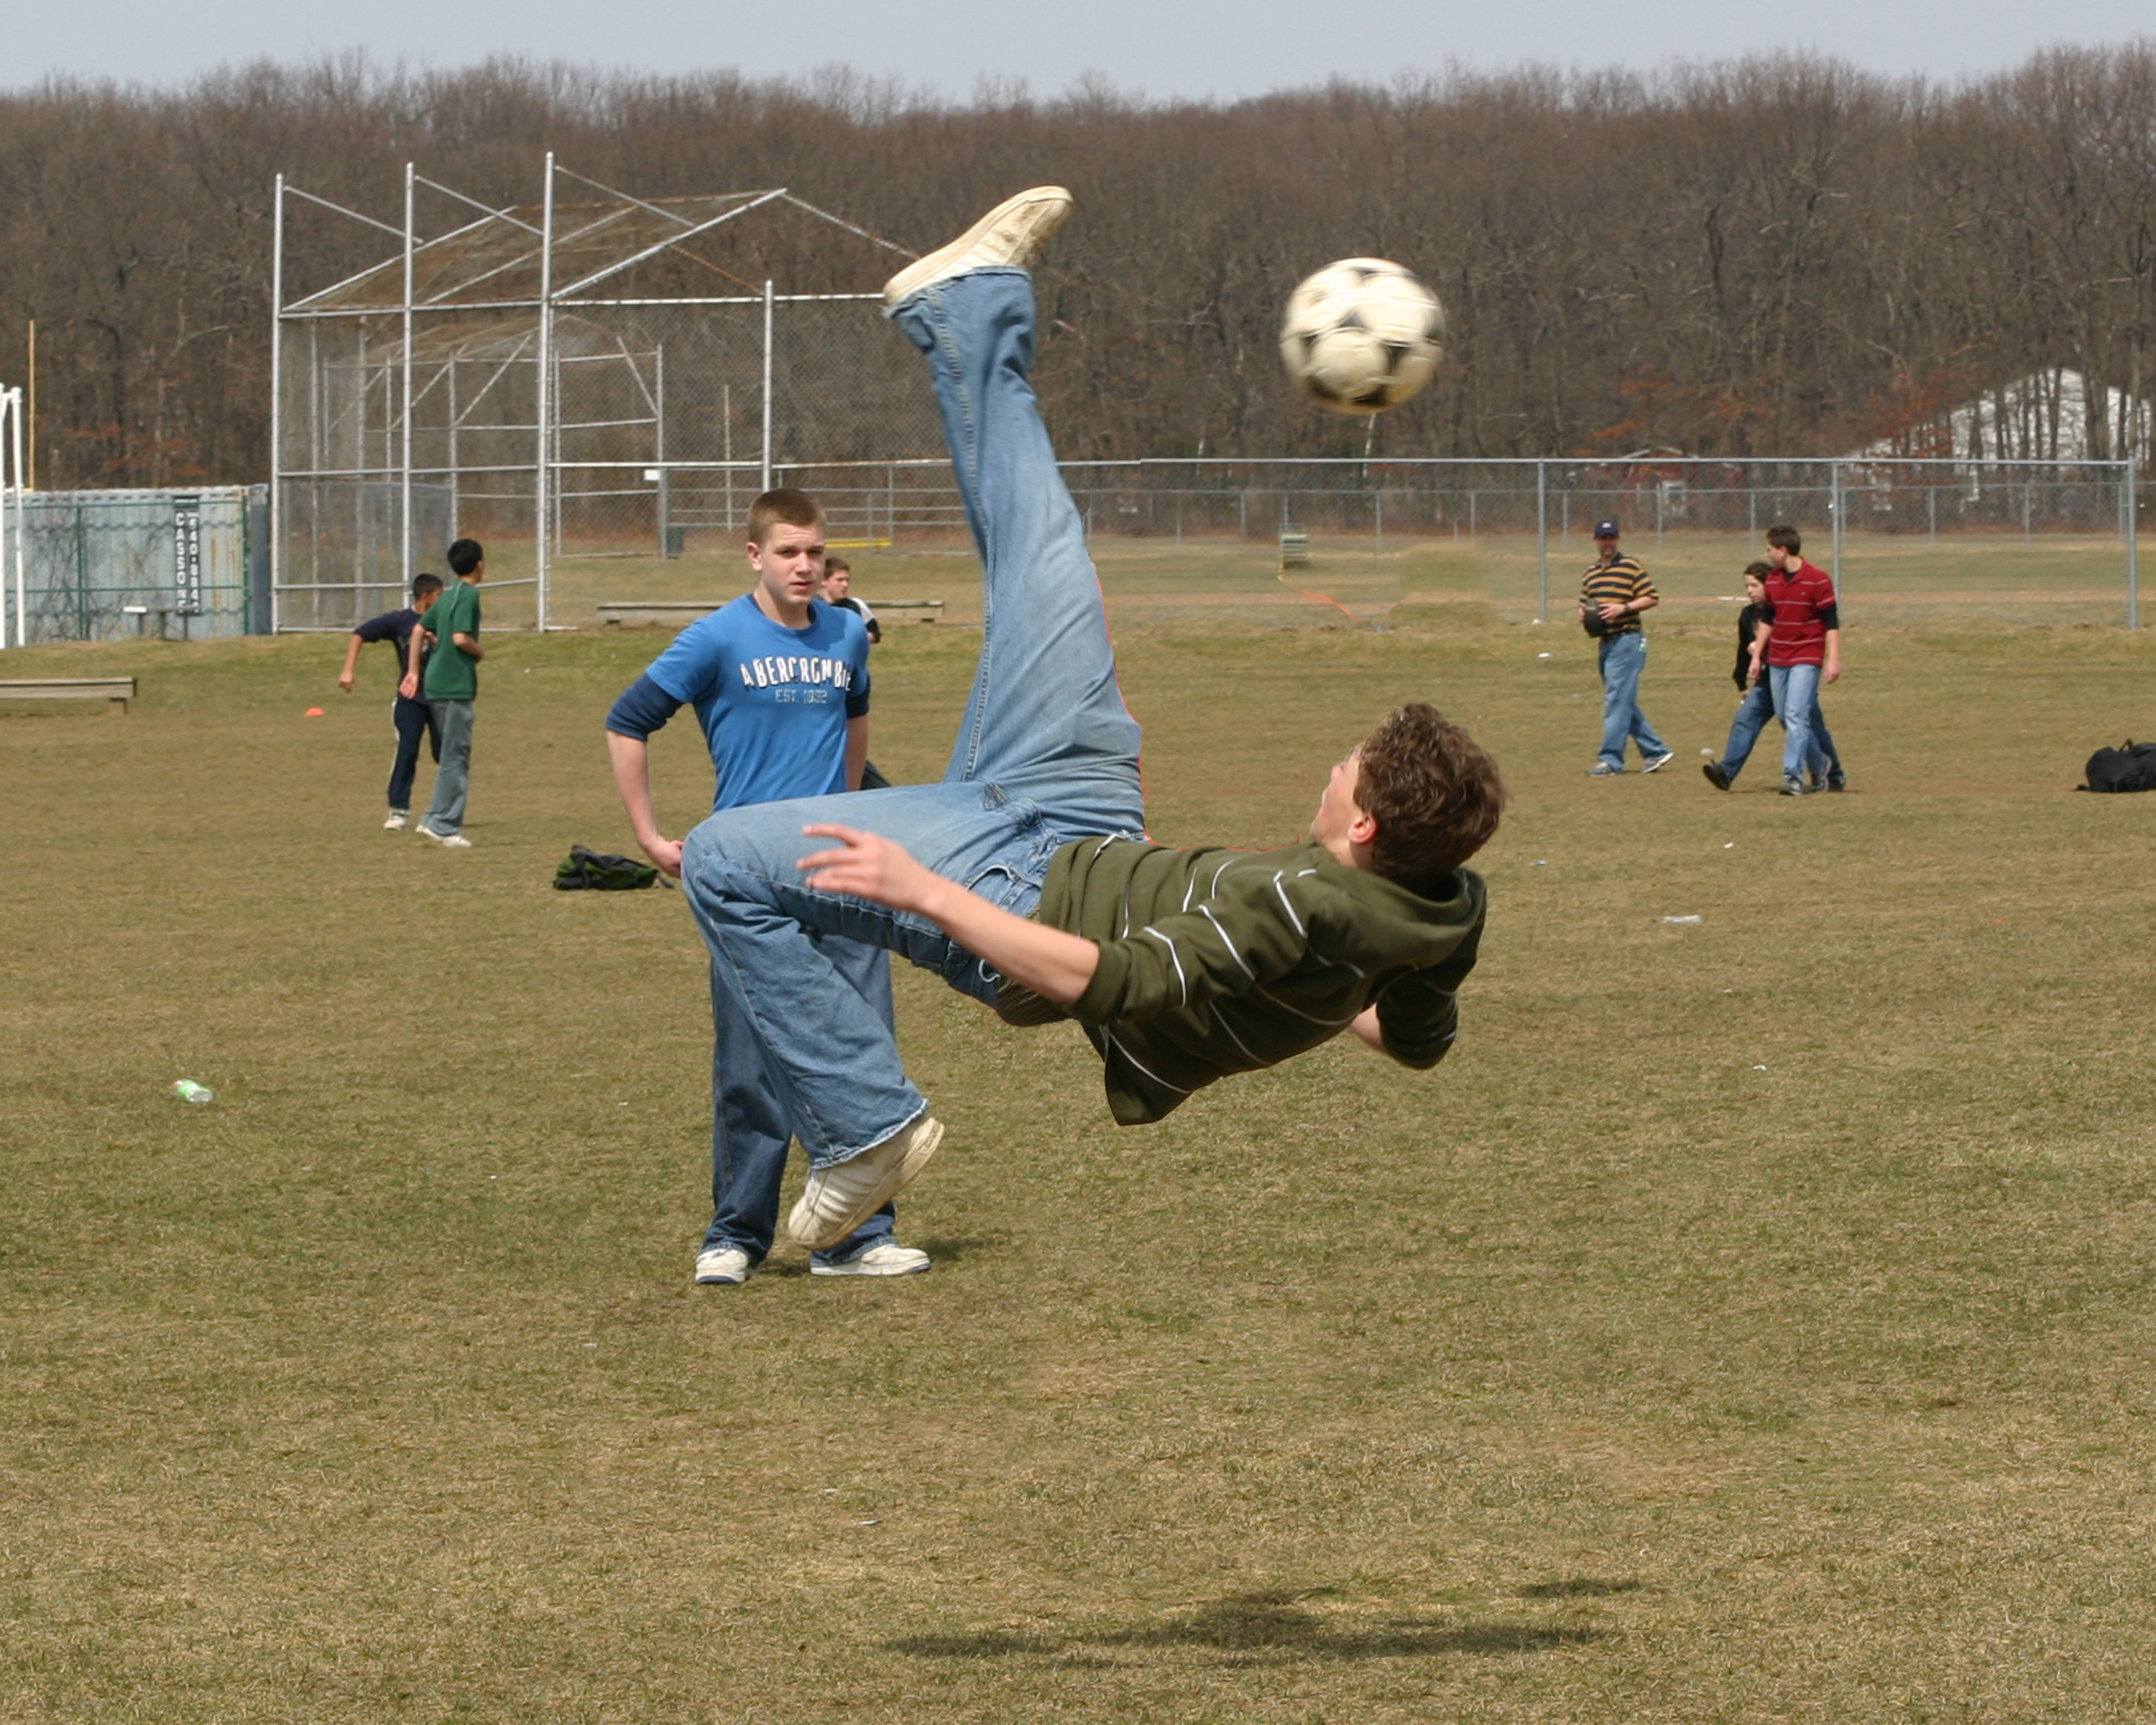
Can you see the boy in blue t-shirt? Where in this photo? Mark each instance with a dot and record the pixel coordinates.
(779, 681)
(412, 718)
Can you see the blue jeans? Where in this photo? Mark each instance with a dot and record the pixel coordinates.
(413, 719)
(1623, 658)
(1046, 753)
(1826, 757)
(750, 1131)
(1752, 712)
(453, 723)
(1796, 699)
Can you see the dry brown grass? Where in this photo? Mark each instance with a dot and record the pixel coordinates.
(1600, 1375)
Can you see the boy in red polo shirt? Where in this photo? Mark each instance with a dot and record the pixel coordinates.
(1801, 646)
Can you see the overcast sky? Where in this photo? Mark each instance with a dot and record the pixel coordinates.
(1218, 49)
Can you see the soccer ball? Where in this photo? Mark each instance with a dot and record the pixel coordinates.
(1361, 334)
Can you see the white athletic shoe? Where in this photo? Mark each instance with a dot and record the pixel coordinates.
(395, 824)
(448, 841)
(839, 1198)
(1659, 761)
(1011, 233)
(723, 1266)
(886, 1257)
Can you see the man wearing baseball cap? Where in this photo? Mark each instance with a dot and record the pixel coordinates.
(1613, 594)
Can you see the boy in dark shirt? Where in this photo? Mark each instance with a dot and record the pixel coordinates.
(1035, 890)
(1757, 704)
(412, 718)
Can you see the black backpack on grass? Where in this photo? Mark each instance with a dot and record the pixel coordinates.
(594, 871)
(2130, 769)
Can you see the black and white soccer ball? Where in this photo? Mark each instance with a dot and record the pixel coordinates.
(1363, 335)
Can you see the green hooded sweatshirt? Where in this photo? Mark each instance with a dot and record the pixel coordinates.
(1216, 961)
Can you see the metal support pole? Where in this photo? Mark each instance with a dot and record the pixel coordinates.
(1834, 514)
(543, 513)
(767, 385)
(277, 404)
(1541, 539)
(11, 516)
(659, 441)
(2133, 544)
(456, 508)
(404, 571)
(22, 504)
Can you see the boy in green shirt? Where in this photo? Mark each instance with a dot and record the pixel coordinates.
(451, 686)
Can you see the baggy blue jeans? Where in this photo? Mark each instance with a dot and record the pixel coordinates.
(750, 1132)
(1796, 700)
(1046, 753)
(1622, 659)
(1752, 712)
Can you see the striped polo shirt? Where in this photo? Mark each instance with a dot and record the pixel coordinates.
(1802, 596)
(1619, 582)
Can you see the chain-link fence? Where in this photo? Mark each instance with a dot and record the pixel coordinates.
(106, 566)
(666, 439)
(2027, 540)
(665, 419)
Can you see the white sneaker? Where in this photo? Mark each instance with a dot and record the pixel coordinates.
(1659, 761)
(395, 824)
(886, 1257)
(448, 841)
(839, 1198)
(1011, 233)
(724, 1266)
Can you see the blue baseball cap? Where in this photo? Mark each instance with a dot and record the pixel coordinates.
(1606, 530)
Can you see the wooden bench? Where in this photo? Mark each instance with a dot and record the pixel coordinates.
(164, 614)
(681, 613)
(118, 691)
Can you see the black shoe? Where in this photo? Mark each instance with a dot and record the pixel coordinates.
(1718, 775)
(1835, 781)
(1793, 787)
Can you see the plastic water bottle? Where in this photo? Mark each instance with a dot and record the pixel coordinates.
(187, 1091)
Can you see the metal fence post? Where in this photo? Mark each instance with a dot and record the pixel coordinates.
(544, 514)
(1834, 518)
(767, 386)
(2132, 513)
(277, 399)
(1541, 539)
(404, 447)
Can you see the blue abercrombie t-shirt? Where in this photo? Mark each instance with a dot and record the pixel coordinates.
(773, 701)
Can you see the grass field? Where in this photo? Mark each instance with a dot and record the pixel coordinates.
(1960, 581)
(1754, 1320)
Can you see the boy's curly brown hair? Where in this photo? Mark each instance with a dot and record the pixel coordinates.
(1434, 792)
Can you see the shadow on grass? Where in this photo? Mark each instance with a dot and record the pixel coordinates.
(1577, 1586)
(1276, 1623)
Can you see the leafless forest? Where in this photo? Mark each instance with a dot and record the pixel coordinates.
(1780, 255)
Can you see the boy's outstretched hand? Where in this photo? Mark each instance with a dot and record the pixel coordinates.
(1055, 965)
(870, 866)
